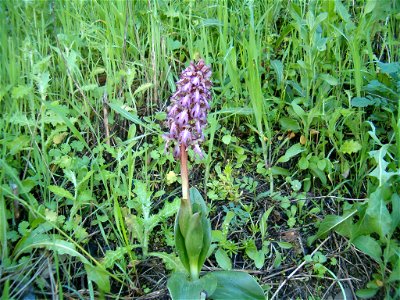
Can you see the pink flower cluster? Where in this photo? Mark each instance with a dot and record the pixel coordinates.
(187, 114)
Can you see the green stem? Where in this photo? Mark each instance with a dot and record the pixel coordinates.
(194, 272)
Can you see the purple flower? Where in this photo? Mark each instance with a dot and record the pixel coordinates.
(187, 114)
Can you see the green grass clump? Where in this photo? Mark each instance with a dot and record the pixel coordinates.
(304, 130)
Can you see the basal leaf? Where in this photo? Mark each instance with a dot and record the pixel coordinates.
(180, 287)
(236, 285)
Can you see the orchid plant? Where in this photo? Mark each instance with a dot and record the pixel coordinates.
(187, 117)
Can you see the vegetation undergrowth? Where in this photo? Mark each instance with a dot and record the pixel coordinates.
(302, 155)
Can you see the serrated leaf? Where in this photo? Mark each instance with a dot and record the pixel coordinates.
(223, 259)
(171, 177)
(142, 88)
(169, 209)
(20, 91)
(113, 256)
(380, 171)
(43, 82)
(59, 191)
(350, 146)
(291, 152)
(369, 246)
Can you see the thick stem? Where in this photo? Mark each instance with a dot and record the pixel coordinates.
(184, 173)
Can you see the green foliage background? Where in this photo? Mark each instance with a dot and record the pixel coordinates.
(305, 104)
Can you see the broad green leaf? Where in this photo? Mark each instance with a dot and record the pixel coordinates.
(329, 223)
(369, 246)
(180, 287)
(381, 220)
(299, 111)
(366, 293)
(370, 6)
(59, 191)
(279, 171)
(99, 276)
(329, 79)
(289, 124)
(291, 152)
(361, 102)
(350, 146)
(223, 259)
(303, 163)
(236, 285)
(389, 68)
(258, 256)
